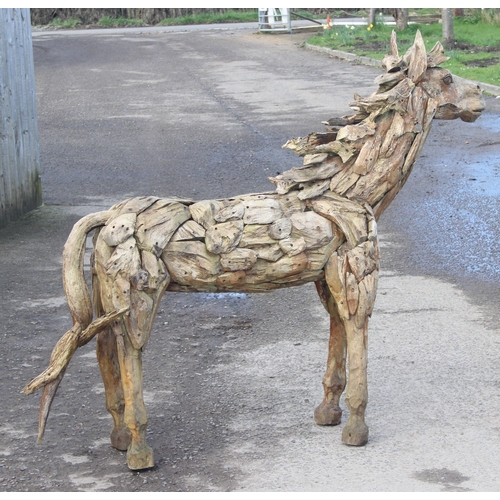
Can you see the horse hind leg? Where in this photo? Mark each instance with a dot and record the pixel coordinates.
(132, 334)
(109, 365)
(106, 349)
(120, 346)
(139, 453)
(329, 412)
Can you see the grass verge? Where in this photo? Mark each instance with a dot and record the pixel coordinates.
(119, 22)
(474, 55)
(64, 25)
(231, 16)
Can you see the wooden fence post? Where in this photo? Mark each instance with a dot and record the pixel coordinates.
(20, 185)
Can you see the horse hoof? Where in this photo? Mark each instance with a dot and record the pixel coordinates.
(140, 457)
(120, 438)
(355, 434)
(327, 414)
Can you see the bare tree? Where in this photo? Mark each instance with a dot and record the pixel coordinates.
(447, 20)
(401, 17)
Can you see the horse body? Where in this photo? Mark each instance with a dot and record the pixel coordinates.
(319, 225)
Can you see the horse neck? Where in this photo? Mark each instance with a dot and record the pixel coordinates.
(386, 158)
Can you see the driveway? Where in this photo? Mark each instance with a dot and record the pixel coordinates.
(231, 381)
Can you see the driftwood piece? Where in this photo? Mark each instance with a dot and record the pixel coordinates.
(291, 203)
(190, 262)
(203, 212)
(224, 237)
(155, 269)
(313, 189)
(350, 218)
(344, 150)
(293, 246)
(157, 224)
(133, 206)
(239, 259)
(125, 259)
(190, 230)
(231, 280)
(119, 230)
(319, 225)
(280, 229)
(264, 211)
(315, 229)
(233, 211)
(307, 145)
(317, 258)
(270, 252)
(255, 234)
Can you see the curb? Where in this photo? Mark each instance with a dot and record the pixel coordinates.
(368, 61)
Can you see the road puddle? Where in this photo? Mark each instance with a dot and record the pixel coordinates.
(483, 177)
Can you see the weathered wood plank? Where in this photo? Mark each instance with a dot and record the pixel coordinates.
(20, 185)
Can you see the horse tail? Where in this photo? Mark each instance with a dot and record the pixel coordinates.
(80, 305)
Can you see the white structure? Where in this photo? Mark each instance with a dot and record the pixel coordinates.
(274, 18)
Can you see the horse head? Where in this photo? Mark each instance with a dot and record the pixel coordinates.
(455, 96)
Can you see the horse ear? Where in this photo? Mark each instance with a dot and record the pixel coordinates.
(416, 58)
(436, 56)
(392, 62)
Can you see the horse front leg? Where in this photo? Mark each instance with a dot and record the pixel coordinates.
(351, 276)
(329, 412)
(355, 433)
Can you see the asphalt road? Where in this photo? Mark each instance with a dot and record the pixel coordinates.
(232, 380)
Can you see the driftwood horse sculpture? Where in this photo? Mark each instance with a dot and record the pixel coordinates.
(319, 225)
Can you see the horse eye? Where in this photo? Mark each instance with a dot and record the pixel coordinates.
(448, 79)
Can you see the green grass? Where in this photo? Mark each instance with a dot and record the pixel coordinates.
(472, 35)
(64, 25)
(231, 16)
(111, 22)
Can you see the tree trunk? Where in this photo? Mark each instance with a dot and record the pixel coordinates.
(372, 16)
(401, 17)
(448, 35)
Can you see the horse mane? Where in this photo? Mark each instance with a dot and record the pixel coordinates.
(332, 156)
